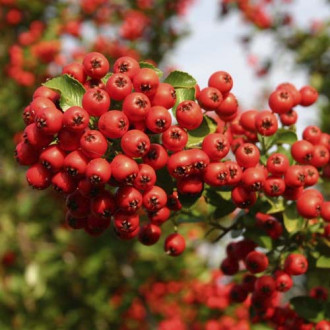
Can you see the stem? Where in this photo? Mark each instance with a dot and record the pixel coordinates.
(225, 230)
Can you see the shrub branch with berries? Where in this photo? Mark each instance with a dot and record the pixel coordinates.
(132, 151)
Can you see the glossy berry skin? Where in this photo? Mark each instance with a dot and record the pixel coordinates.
(274, 186)
(222, 81)
(75, 163)
(280, 101)
(63, 183)
(216, 146)
(74, 222)
(295, 176)
(325, 211)
(40, 103)
(311, 175)
(78, 205)
(265, 286)
(38, 177)
(98, 171)
(165, 96)
(229, 266)
(75, 70)
(254, 178)
(302, 151)
(243, 198)
(156, 157)
(158, 119)
(126, 65)
(52, 158)
(174, 244)
(320, 156)
(146, 81)
(277, 164)
(309, 95)
(95, 65)
(154, 199)
(103, 205)
(192, 185)
(124, 169)
(136, 106)
(174, 138)
(96, 226)
(295, 264)
(128, 199)
(256, 262)
(283, 281)
(228, 106)
(75, 119)
(46, 92)
(126, 223)
(189, 115)
(69, 140)
(247, 155)
(266, 123)
(292, 90)
(49, 120)
(93, 144)
(113, 124)
(289, 118)
(309, 205)
(96, 102)
(312, 134)
(146, 178)
(209, 98)
(135, 143)
(238, 293)
(234, 173)
(216, 174)
(248, 120)
(179, 164)
(25, 154)
(149, 234)
(118, 86)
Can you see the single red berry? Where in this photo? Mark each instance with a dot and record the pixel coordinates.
(281, 101)
(253, 178)
(52, 158)
(234, 173)
(38, 177)
(222, 81)
(174, 244)
(160, 216)
(247, 155)
(312, 134)
(25, 154)
(124, 222)
(113, 124)
(228, 107)
(191, 185)
(75, 70)
(136, 106)
(103, 205)
(124, 169)
(266, 123)
(265, 286)
(289, 118)
(135, 143)
(96, 101)
(283, 281)
(49, 120)
(256, 262)
(154, 199)
(210, 98)
(165, 96)
(248, 120)
(189, 115)
(274, 186)
(158, 119)
(119, 86)
(75, 119)
(325, 211)
(295, 176)
(156, 157)
(93, 144)
(98, 171)
(292, 90)
(75, 163)
(64, 183)
(302, 151)
(229, 266)
(216, 146)
(174, 138)
(295, 264)
(126, 65)
(146, 81)
(69, 140)
(309, 95)
(95, 65)
(238, 293)
(149, 234)
(309, 204)
(243, 198)
(146, 178)
(216, 174)
(277, 164)
(128, 199)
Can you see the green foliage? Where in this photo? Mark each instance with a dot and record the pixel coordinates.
(150, 66)
(308, 308)
(195, 137)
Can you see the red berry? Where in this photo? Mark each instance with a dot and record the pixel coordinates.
(256, 262)
(149, 234)
(222, 81)
(135, 143)
(309, 95)
(95, 65)
(96, 101)
(295, 264)
(174, 244)
(93, 144)
(113, 124)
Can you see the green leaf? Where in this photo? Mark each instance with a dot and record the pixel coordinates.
(183, 94)
(277, 205)
(308, 308)
(261, 327)
(71, 90)
(224, 209)
(106, 77)
(260, 237)
(150, 66)
(195, 137)
(292, 222)
(188, 201)
(165, 180)
(323, 262)
(285, 136)
(180, 79)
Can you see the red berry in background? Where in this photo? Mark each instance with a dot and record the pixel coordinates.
(124, 169)
(35, 138)
(119, 86)
(253, 178)
(25, 154)
(156, 157)
(69, 140)
(52, 158)
(283, 281)
(248, 282)
(289, 118)
(146, 81)
(158, 119)
(209, 98)
(93, 144)
(309, 205)
(146, 178)
(75, 119)
(78, 205)
(247, 155)
(136, 106)
(216, 146)
(191, 185)
(44, 91)
(320, 156)
(325, 211)
(319, 293)
(113, 124)
(124, 222)
(274, 186)
(74, 222)
(165, 96)
(149, 234)
(128, 199)
(174, 244)
(322, 325)
(98, 171)
(243, 198)
(292, 90)
(38, 177)
(216, 174)
(295, 176)
(281, 101)
(309, 95)
(126, 65)
(265, 286)
(135, 143)
(28, 115)
(311, 175)
(173, 202)
(302, 152)
(295, 264)
(228, 106)
(222, 81)
(256, 262)
(238, 293)
(96, 226)
(88, 189)
(95, 65)
(75, 70)
(229, 266)
(96, 102)
(174, 138)
(277, 164)
(248, 120)
(63, 183)
(312, 134)
(103, 205)
(266, 123)
(189, 115)
(154, 199)
(292, 193)
(160, 216)
(49, 120)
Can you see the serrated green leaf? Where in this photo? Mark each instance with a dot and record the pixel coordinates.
(196, 136)
(71, 90)
(286, 136)
(323, 262)
(183, 94)
(150, 66)
(181, 79)
(308, 308)
(292, 222)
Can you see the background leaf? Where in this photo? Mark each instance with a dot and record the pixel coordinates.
(308, 308)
